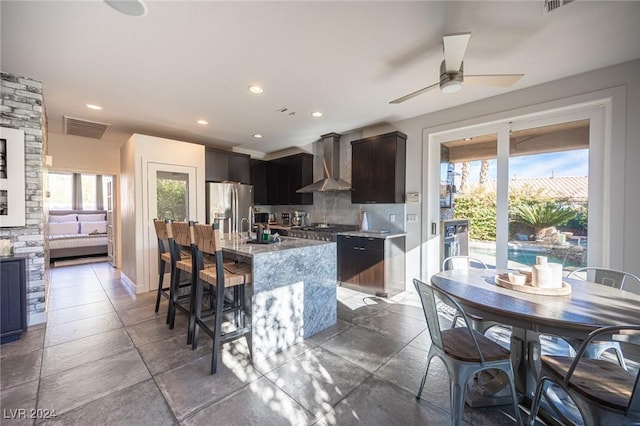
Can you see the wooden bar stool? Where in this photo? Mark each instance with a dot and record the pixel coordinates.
(216, 275)
(179, 243)
(164, 260)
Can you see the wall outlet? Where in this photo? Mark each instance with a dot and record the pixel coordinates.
(392, 218)
(412, 218)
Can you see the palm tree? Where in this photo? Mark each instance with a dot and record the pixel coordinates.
(542, 215)
(484, 171)
(464, 176)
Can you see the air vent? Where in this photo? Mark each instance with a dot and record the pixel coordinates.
(85, 128)
(551, 5)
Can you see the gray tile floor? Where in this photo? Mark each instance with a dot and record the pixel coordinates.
(105, 357)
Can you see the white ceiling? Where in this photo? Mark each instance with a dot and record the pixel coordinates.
(184, 61)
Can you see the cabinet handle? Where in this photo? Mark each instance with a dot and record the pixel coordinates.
(361, 248)
(356, 248)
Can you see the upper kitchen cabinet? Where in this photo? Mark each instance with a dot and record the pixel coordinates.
(275, 182)
(223, 166)
(294, 172)
(378, 169)
(264, 178)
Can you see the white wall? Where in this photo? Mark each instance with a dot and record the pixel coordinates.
(625, 150)
(78, 154)
(135, 154)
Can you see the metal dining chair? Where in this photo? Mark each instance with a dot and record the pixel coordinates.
(464, 351)
(611, 278)
(467, 262)
(603, 392)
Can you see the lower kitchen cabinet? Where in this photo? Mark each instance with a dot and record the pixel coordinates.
(373, 265)
(13, 297)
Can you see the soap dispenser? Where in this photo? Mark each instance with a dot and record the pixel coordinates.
(364, 223)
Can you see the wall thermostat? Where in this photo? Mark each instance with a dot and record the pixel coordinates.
(413, 197)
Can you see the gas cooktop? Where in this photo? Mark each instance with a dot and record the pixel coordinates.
(321, 232)
(329, 228)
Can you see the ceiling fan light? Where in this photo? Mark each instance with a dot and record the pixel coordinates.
(450, 86)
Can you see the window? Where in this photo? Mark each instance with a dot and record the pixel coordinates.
(60, 188)
(77, 191)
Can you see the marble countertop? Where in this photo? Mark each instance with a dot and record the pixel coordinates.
(237, 245)
(374, 234)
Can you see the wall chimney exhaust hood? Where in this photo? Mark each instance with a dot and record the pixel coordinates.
(331, 164)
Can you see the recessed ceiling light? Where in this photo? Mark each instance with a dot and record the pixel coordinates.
(92, 106)
(129, 7)
(316, 114)
(202, 122)
(255, 89)
(257, 136)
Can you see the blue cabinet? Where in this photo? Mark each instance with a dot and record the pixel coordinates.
(13, 297)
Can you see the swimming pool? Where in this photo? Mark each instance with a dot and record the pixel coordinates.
(525, 256)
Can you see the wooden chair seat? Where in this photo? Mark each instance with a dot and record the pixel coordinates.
(605, 393)
(458, 344)
(209, 274)
(601, 381)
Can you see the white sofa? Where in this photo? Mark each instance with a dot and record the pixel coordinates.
(76, 233)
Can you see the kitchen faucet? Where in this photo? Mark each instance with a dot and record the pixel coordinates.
(250, 220)
(248, 229)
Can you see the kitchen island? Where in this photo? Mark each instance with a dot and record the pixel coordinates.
(293, 291)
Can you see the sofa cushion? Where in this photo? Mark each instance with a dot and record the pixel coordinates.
(91, 217)
(63, 228)
(97, 227)
(63, 218)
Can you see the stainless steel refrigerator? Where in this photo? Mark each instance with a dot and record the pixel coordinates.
(229, 204)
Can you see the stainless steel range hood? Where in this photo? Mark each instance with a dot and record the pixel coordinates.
(331, 164)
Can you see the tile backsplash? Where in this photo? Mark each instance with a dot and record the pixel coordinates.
(336, 208)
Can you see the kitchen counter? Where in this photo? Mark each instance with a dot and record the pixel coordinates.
(293, 293)
(374, 234)
(241, 247)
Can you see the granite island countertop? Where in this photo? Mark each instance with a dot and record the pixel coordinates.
(240, 246)
(292, 293)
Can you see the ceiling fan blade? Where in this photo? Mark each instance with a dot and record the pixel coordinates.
(414, 94)
(454, 47)
(495, 80)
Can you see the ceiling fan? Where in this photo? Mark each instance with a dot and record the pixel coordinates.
(451, 70)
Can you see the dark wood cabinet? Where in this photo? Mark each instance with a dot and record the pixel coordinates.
(378, 168)
(13, 297)
(258, 178)
(373, 265)
(275, 182)
(223, 166)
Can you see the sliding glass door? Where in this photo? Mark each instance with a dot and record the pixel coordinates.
(526, 187)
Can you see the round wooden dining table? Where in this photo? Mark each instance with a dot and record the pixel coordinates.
(574, 316)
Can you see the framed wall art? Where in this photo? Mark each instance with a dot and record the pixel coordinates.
(12, 179)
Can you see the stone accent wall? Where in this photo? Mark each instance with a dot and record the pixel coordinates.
(22, 107)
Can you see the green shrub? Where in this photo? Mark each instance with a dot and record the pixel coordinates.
(479, 206)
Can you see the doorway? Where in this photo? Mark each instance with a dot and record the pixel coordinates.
(171, 194)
